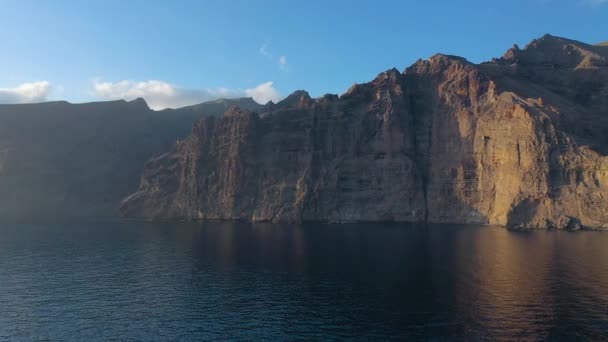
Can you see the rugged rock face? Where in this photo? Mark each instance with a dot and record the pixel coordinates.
(66, 160)
(326, 160)
(519, 141)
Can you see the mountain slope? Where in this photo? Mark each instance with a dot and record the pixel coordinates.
(519, 141)
(61, 159)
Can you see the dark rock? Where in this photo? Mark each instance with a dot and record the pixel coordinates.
(574, 224)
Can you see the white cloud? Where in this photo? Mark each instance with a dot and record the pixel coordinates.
(283, 63)
(263, 93)
(160, 95)
(282, 60)
(26, 93)
(264, 51)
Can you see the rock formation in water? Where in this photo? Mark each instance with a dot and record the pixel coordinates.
(519, 141)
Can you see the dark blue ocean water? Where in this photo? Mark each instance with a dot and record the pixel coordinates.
(203, 281)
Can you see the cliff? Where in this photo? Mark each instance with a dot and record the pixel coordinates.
(64, 160)
(519, 141)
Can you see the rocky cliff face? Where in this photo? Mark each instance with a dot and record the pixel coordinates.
(519, 141)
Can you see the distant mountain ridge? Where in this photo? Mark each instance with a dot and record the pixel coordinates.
(80, 160)
(520, 141)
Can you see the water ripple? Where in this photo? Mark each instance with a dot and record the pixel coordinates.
(132, 281)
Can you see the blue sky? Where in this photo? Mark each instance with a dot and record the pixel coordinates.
(177, 52)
